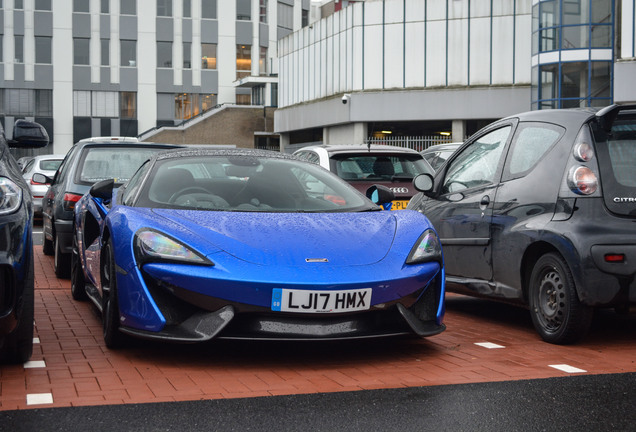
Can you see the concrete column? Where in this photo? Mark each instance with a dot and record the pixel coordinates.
(284, 142)
(459, 130)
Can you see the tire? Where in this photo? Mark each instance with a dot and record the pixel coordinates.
(110, 303)
(78, 283)
(18, 345)
(557, 314)
(61, 262)
(48, 247)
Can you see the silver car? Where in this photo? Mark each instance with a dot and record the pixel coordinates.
(44, 164)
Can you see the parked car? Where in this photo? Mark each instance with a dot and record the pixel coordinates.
(23, 161)
(204, 243)
(363, 165)
(47, 165)
(437, 154)
(16, 246)
(539, 209)
(86, 163)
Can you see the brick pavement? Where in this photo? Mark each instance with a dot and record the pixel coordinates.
(72, 367)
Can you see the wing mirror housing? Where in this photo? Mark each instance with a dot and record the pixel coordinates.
(380, 194)
(103, 189)
(41, 178)
(28, 134)
(424, 183)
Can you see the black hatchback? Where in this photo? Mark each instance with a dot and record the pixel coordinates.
(539, 209)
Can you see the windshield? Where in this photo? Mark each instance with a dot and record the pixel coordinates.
(248, 183)
(112, 162)
(373, 167)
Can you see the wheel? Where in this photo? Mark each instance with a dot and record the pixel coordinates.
(18, 345)
(78, 284)
(110, 303)
(62, 261)
(557, 314)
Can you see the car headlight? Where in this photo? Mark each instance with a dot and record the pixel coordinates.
(427, 248)
(10, 196)
(151, 245)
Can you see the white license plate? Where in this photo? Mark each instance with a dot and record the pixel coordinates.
(291, 300)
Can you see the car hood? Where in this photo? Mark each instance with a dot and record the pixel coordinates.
(289, 238)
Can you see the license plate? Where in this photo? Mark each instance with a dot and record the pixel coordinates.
(399, 204)
(291, 300)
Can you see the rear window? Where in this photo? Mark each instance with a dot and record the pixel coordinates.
(374, 167)
(106, 162)
(617, 161)
(50, 164)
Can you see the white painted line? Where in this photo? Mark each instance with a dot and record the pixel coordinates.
(36, 340)
(567, 368)
(34, 364)
(489, 345)
(39, 398)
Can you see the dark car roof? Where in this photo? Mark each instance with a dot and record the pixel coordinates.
(202, 151)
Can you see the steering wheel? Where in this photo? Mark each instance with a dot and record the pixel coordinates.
(190, 190)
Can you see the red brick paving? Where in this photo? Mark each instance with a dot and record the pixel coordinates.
(80, 370)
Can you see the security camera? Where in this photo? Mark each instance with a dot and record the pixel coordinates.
(346, 98)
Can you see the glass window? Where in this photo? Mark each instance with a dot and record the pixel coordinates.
(243, 10)
(128, 53)
(105, 48)
(208, 56)
(575, 12)
(285, 16)
(81, 6)
(105, 104)
(573, 83)
(186, 105)
(106, 162)
(549, 81)
(1, 54)
(105, 6)
(263, 11)
(81, 51)
(243, 60)
(18, 4)
(477, 164)
(243, 99)
(305, 18)
(128, 7)
(43, 49)
(187, 8)
(19, 102)
(601, 80)
(164, 8)
(208, 101)
(164, 54)
(208, 9)
(601, 11)
(128, 108)
(44, 5)
(187, 55)
(531, 142)
(262, 61)
(575, 37)
(44, 103)
(81, 103)
(601, 36)
(19, 49)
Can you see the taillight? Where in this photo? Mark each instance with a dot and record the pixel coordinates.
(615, 258)
(583, 151)
(582, 180)
(69, 201)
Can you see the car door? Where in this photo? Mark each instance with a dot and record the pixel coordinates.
(462, 209)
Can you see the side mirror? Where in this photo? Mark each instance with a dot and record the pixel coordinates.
(423, 182)
(380, 194)
(103, 189)
(41, 178)
(28, 134)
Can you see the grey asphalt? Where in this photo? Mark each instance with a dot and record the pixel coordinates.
(573, 403)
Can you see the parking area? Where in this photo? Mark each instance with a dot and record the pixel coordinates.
(484, 342)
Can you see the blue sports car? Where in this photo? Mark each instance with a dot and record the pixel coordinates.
(241, 244)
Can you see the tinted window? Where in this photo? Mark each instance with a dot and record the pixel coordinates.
(379, 166)
(477, 164)
(132, 187)
(530, 143)
(119, 163)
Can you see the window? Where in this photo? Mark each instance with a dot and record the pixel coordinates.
(208, 56)
(1, 56)
(19, 49)
(285, 16)
(164, 8)
(477, 164)
(18, 4)
(128, 53)
(243, 99)
(208, 102)
(81, 6)
(81, 103)
(105, 47)
(186, 105)
(243, 60)
(19, 102)
(105, 6)
(105, 104)
(164, 54)
(531, 142)
(44, 103)
(263, 11)
(81, 51)
(128, 107)
(128, 7)
(243, 10)
(187, 55)
(43, 5)
(262, 61)
(208, 9)
(305, 18)
(43, 50)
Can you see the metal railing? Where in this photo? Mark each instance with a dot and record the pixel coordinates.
(417, 143)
